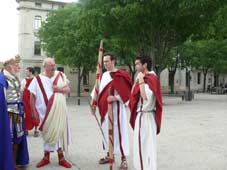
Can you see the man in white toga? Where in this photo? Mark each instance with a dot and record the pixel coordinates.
(48, 97)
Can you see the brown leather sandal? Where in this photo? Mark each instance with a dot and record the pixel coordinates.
(104, 160)
(17, 167)
(36, 133)
(124, 165)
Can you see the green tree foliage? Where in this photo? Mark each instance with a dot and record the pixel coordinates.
(151, 27)
(207, 55)
(128, 27)
(71, 39)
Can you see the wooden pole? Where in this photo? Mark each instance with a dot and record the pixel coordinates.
(98, 71)
(110, 127)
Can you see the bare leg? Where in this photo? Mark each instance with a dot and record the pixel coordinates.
(15, 149)
(36, 132)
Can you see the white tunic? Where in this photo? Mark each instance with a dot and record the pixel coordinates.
(145, 150)
(41, 106)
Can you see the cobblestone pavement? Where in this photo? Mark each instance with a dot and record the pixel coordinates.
(193, 137)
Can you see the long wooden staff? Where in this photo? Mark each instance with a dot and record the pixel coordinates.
(97, 80)
(110, 126)
(98, 73)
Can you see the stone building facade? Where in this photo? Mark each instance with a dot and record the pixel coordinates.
(31, 14)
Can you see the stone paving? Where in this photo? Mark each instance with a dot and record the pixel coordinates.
(193, 137)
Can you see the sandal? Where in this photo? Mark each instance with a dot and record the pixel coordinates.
(17, 167)
(104, 160)
(36, 133)
(124, 165)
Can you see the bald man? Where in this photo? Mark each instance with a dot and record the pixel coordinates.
(48, 97)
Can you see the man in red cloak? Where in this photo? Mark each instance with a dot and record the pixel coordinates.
(120, 83)
(146, 113)
(30, 123)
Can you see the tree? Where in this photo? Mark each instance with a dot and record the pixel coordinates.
(173, 64)
(71, 40)
(151, 27)
(207, 55)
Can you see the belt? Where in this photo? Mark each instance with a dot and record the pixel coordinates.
(16, 117)
(20, 106)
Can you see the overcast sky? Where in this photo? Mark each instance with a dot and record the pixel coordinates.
(9, 28)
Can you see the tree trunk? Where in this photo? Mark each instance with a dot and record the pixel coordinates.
(78, 85)
(171, 81)
(132, 71)
(216, 79)
(204, 81)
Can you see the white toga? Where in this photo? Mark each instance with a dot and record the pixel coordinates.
(145, 131)
(41, 106)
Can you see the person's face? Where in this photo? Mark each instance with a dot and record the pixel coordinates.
(139, 66)
(50, 67)
(108, 64)
(16, 67)
(28, 73)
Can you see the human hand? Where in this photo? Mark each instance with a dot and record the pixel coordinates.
(111, 99)
(140, 77)
(57, 89)
(93, 107)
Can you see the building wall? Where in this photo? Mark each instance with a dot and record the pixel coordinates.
(195, 85)
(28, 11)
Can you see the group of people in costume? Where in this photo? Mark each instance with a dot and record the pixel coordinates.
(145, 103)
(44, 98)
(36, 101)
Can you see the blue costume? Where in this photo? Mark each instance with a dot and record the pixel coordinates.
(16, 118)
(6, 152)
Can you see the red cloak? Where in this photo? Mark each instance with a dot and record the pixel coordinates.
(154, 84)
(29, 120)
(121, 83)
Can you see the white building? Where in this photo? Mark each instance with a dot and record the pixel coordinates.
(31, 14)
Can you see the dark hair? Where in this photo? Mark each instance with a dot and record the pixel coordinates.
(145, 59)
(31, 69)
(111, 54)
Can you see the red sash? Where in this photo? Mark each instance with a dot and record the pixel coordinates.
(102, 101)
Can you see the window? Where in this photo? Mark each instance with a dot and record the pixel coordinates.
(38, 4)
(38, 20)
(37, 70)
(198, 78)
(37, 48)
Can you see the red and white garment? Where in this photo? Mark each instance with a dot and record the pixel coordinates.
(41, 107)
(144, 146)
(120, 81)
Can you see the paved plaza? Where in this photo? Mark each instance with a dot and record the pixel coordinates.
(193, 137)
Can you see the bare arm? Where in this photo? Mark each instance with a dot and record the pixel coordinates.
(64, 90)
(142, 86)
(32, 105)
